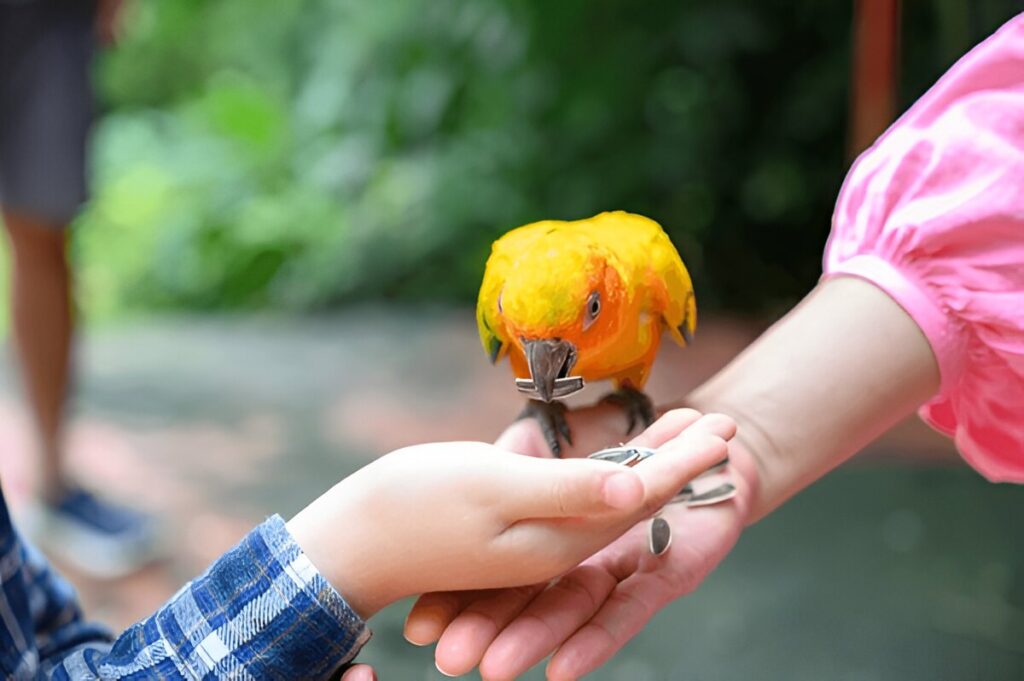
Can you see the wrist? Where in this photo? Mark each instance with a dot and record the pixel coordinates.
(745, 469)
(747, 459)
(330, 532)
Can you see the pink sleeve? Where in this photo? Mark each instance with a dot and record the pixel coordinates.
(933, 214)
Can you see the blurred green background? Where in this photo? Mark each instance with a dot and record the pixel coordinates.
(301, 154)
(333, 166)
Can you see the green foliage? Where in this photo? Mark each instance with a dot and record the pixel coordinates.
(301, 153)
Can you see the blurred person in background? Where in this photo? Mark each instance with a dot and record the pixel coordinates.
(46, 50)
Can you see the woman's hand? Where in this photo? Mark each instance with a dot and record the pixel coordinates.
(460, 516)
(592, 611)
(360, 672)
(823, 382)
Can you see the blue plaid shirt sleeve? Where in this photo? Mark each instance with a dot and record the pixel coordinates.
(261, 611)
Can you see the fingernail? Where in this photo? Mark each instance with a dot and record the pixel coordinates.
(623, 490)
(438, 666)
(421, 629)
(415, 643)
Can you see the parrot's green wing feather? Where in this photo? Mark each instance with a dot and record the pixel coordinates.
(487, 313)
(680, 311)
(493, 344)
(503, 256)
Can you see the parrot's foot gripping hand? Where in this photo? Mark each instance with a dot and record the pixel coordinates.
(551, 417)
(635, 403)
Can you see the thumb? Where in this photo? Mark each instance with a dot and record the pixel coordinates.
(682, 458)
(524, 437)
(360, 672)
(570, 488)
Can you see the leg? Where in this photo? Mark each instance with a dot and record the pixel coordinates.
(551, 417)
(97, 536)
(45, 112)
(635, 403)
(45, 49)
(42, 325)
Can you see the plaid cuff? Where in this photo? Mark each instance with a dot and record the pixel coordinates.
(261, 611)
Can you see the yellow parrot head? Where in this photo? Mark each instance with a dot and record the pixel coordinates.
(560, 298)
(570, 301)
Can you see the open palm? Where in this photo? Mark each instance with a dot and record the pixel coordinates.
(587, 615)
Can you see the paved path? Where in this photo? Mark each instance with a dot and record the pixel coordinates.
(903, 565)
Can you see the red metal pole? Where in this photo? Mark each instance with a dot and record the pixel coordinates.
(876, 31)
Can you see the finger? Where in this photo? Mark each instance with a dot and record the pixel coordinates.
(547, 621)
(622, 615)
(667, 427)
(432, 613)
(547, 488)
(524, 437)
(621, 559)
(468, 636)
(360, 672)
(683, 458)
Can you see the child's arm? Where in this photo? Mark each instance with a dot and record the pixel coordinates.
(824, 381)
(473, 516)
(291, 599)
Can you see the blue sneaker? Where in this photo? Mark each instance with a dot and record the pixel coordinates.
(95, 536)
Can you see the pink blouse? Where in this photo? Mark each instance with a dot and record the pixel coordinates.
(933, 213)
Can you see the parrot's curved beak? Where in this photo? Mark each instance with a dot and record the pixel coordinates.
(550, 362)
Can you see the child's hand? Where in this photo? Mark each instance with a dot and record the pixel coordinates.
(459, 516)
(596, 608)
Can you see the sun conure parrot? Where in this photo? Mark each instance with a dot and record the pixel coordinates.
(591, 296)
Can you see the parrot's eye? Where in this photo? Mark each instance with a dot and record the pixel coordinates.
(593, 308)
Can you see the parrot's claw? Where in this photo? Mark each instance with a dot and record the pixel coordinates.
(551, 417)
(635, 403)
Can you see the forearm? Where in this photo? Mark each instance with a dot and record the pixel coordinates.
(262, 608)
(838, 371)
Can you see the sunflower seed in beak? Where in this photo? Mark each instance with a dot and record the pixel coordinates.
(562, 387)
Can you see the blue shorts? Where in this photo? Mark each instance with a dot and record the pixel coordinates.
(46, 49)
